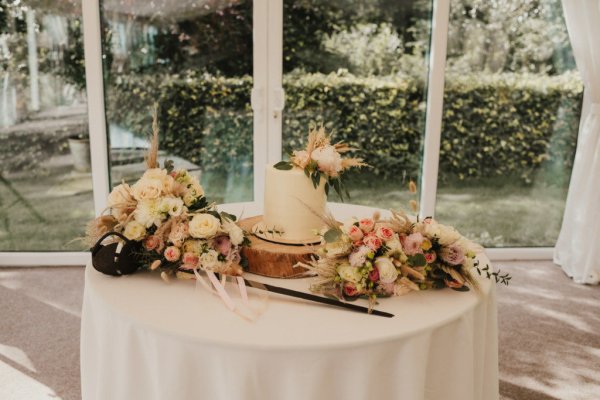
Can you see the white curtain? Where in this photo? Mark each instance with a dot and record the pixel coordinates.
(578, 247)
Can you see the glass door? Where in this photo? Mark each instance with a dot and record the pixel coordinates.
(360, 69)
(194, 60)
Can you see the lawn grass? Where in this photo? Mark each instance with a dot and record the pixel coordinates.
(494, 212)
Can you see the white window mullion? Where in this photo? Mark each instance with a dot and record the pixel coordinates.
(435, 107)
(276, 96)
(260, 94)
(95, 99)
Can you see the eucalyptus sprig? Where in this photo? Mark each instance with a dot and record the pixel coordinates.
(498, 277)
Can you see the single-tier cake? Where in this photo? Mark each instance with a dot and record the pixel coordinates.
(293, 207)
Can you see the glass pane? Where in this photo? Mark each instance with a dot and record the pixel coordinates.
(511, 113)
(360, 68)
(45, 180)
(194, 60)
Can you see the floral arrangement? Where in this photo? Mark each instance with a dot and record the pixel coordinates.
(322, 159)
(374, 257)
(167, 212)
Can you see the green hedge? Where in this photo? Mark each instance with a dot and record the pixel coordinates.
(504, 125)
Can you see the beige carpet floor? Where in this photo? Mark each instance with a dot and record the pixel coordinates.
(549, 332)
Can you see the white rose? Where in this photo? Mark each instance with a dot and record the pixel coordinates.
(209, 261)
(148, 212)
(134, 231)
(387, 270)
(147, 189)
(301, 158)
(328, 159)
(349, 273)
(204, 226)
(236, 234)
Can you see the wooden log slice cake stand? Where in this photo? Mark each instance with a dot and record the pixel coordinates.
(272, 259)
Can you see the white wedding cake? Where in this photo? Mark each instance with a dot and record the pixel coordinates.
(292, 207)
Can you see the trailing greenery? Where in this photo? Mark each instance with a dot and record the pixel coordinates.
(503, 124)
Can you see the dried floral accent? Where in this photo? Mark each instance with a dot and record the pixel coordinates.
(152, 155)
(322, 159)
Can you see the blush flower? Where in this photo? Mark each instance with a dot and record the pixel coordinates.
(412, 244)
(453, 255)
(172, 253)
(384, 233)
(355, 233)
(190, 261)
(223, 245)
(152, 242)
(372, 241)
(366, 224)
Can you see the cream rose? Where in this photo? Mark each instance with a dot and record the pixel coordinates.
(387, 270)
(120, 196)
(349, 273)
(147, 189)
(204, 226)
(160, 175)
(328, 160)
(134, 231)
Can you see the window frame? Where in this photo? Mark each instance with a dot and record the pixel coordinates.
(267, 100)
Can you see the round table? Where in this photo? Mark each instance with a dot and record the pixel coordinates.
(144, 339)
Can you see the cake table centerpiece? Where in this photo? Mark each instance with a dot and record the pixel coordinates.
(294, 202)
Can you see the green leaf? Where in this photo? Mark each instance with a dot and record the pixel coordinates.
(169, 165)
(463, 288)
(283, 165)
(316, 179)
(214, 214)
(225, 215)
(332, 235)
(418, 260)
(326, 188)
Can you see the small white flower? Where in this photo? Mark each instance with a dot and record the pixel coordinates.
(209, 261)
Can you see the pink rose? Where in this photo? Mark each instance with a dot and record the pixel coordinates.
(355, 233)
(412, 244)
(372, 241)
(453, 255)
(366, 225)
(358, 243)
(374, 275)
(384, 233)
(328, 159)
(189, 260)
(430, 257)
(301, 158)
(178, 234)
(350, 289)
(152, 242)
(222, 244)
(172, 253)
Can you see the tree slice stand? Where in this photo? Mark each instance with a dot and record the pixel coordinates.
(271, 259)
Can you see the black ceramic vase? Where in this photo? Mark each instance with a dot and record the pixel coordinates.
(111, 260)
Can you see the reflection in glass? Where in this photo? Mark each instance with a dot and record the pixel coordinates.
(45, 180)
(194, 60)
(511, 114)
(360, 68)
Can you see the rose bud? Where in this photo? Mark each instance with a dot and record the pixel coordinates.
(172, 253)
(374, 275)
(355, 233)
(350, 289)
(366, 225)
(430, 257)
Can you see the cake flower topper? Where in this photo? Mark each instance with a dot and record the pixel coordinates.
(322, 159)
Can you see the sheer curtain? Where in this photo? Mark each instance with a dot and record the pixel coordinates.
(578, 247)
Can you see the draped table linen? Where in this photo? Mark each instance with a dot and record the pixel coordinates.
(144, 339)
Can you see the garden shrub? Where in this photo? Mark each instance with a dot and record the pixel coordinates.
(500, 125)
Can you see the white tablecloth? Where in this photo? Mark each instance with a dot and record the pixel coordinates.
(144, 339)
